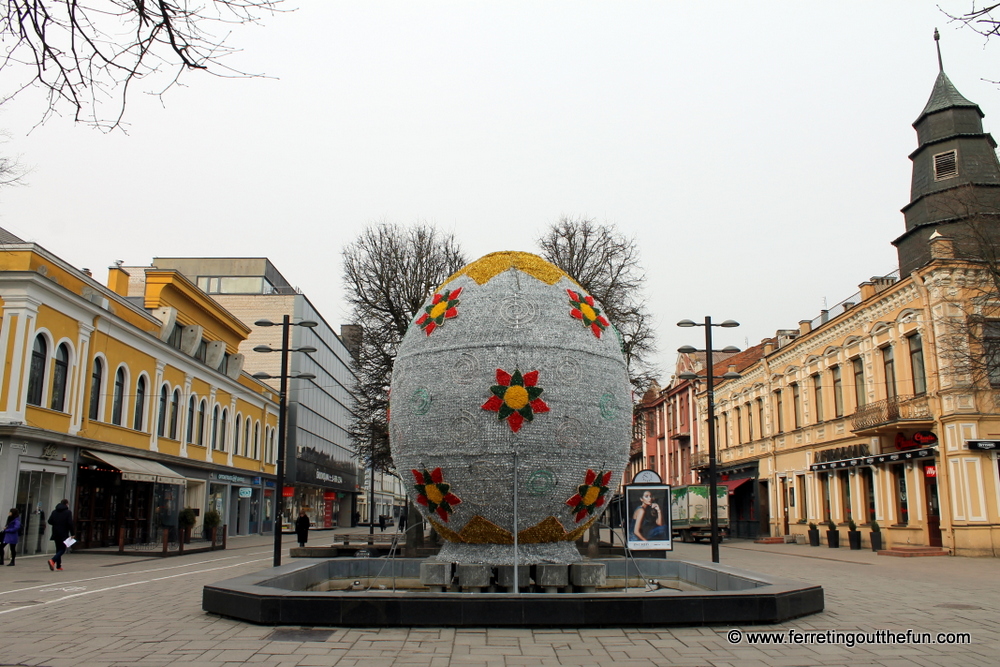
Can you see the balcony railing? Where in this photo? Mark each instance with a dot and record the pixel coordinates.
(891, 411)
(699, 461)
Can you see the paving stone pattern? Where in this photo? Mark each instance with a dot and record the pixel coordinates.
(109, 611)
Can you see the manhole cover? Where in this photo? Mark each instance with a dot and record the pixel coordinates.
(956, 605)
(300, 635)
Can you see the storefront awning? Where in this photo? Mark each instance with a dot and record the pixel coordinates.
(733, 484)
(891, 457)
(139, 470)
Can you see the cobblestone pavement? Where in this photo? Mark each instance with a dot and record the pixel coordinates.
(105, 611)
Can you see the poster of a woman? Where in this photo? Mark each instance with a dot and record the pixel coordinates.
(648, 525)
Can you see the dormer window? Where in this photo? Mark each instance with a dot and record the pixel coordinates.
(945, 165)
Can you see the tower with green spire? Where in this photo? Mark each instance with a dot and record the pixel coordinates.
(955, 188)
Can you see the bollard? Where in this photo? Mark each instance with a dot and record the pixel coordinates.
(166, 542)
(225, 531)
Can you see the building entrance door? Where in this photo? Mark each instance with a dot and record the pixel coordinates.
(933, 507)
(37, 495)
(784, 505)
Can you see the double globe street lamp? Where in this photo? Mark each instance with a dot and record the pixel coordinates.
(713, 501)
(286, 324)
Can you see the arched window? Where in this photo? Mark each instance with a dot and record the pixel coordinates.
(201, 424)
(222, 429)
(118, 403)
(161, 418)
(247, 444)
(237, 434)
(36, 376)
(215, 427)
(140, 404)
(59, 376)
(96, 382)
(175, 408)
(256, 440)
(190, 421)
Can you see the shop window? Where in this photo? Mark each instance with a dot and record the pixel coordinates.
(889, 366)
(803, 493)
(845, 495)
(838, 392)
(916, 346)
(140, 403)
(899, 491)
(60, 375)
(860, 395)
(118, 399)
(868, 486)
(36, 375)
(161, 414)
(96, 382)
(175, 408)
(824, 488)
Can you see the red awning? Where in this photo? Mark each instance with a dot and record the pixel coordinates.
(733, 484)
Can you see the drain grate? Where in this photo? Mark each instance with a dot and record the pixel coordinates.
(299, 635)
(956, 605)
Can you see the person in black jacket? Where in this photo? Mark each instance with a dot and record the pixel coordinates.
(302, 528)
(61, 521)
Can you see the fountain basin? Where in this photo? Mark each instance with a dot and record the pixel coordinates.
(700, 594)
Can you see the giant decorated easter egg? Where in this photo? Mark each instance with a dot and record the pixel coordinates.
(510, 411)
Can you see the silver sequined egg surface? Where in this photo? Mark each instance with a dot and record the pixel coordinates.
(510, 357)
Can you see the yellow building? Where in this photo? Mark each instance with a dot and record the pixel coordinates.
(131, 408)
(875, 411)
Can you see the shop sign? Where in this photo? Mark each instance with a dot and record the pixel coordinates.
(256, 481)
(983, 445)
(919, 439)
(841, 453)
(327, 477)
(50, 452)
(236, 479)
(288, 492)
(908, 455)
(930, 471)
(246, 492)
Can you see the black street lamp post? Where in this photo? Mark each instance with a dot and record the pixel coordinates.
(713, 502)
(279, 497)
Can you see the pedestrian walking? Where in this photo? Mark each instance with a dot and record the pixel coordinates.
(402, 521)
(302, 528)
(381, 523)
(61, 521)
(10, 531)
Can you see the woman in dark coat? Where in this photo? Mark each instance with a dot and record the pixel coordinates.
(61, 521)
(10, 532)
(302, 528)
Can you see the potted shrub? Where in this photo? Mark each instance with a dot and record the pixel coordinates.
(186, 520)
(832, 535)
(813, 535)
(853, 535)
(876, 537)
(211, 522)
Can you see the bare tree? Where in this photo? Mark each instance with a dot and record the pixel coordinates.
(389, 273)
(606, 264)
(85, 52)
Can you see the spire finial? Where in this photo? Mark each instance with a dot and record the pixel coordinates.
(937, 43)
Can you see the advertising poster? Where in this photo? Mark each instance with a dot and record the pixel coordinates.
(647, 517)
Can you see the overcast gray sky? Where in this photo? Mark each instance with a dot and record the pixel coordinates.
(757, 151)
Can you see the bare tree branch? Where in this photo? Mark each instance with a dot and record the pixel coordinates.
(389, 273)
(606, 264)
(83, 53)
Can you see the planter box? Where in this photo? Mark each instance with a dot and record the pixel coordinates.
(876, 541)
(854, 538)
(833, 539)
(814, 537)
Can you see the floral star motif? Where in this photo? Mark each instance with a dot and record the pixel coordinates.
(585, 310)
(444, 306)
(434, 494)
(590, 494)
(516, 398)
